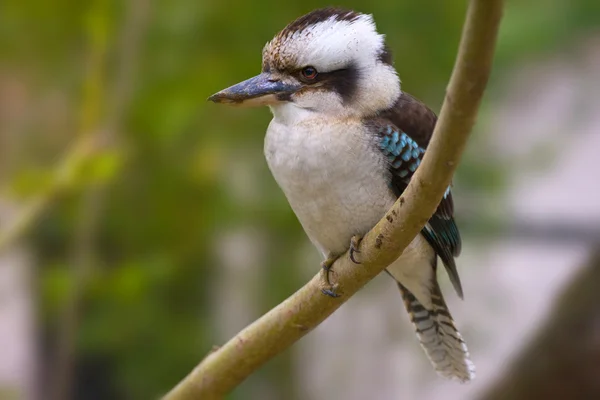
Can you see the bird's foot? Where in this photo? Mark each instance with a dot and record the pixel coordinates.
(354, 244)
(327, 288)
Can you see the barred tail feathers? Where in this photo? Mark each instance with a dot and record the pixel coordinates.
(438, 335)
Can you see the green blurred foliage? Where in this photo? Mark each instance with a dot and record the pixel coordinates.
(175, 187)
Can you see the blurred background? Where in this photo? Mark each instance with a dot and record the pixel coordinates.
(140, 226)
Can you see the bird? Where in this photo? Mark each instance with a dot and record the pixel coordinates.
(343, 144)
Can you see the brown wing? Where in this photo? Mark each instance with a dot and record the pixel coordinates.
(413, 117)
(404, 155)
(418, 121)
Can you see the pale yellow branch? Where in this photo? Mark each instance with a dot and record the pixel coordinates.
(226, 367)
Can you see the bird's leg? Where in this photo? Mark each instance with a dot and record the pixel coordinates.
(327, 287)
(354, 244)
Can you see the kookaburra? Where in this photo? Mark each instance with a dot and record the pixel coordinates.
(343, 144)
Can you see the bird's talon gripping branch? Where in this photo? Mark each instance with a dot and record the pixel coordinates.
(354, 244)
(328, 288)
(326, 265)
(330, 292)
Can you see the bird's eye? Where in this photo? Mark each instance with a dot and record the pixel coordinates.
(309, 73)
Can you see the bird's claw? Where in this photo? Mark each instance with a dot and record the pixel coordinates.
(330, 292)
(326, 265)
(328, 288)
(354, 244)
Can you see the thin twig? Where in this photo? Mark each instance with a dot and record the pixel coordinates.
(225, 368)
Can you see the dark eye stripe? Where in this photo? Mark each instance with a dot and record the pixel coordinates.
(343, 81)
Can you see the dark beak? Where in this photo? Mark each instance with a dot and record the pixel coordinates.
(261, 90)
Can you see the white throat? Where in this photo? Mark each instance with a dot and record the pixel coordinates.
(289, 113)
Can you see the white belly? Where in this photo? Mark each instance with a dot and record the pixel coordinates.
(338, 187)
(334, 181)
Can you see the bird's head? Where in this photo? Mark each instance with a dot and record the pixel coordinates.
(329, 61)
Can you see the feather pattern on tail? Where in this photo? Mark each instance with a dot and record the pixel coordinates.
(438, 335)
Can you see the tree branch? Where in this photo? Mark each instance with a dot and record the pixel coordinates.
(226, 367)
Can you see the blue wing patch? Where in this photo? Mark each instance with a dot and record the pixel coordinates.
(403, 152)
(404, 155)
